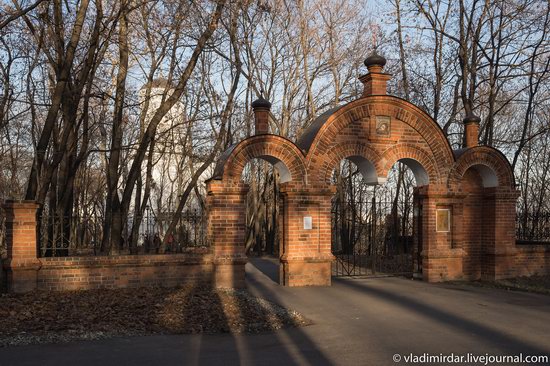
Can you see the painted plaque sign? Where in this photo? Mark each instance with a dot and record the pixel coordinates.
(443, 220)
(383, 125)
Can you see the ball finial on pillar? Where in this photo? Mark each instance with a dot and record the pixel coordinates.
(375, 62)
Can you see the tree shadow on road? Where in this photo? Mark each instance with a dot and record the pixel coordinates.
(508, 344)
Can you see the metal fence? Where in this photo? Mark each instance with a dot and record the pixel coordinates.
(370, 243)
(533, 227)
(61, 236)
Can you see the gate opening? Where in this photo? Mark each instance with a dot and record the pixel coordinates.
(373, 225)
(263, 206)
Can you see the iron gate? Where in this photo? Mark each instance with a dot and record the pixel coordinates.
(376, 243)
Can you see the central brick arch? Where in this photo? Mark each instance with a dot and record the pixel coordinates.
(351, 130)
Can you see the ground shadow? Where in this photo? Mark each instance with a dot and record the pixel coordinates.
(309, 352)
(506, 343)
(268, 265)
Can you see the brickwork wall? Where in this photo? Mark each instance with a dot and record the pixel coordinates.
(473, 220)
(481, 241)
(532, 260)
(475, 184)
(169, 270)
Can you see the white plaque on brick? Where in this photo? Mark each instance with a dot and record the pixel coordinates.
(308, 223)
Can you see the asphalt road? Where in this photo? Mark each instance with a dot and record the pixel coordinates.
(356, 322)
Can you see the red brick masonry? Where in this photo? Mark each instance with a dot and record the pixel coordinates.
(532, 260)
(473, 186)
(168, 270)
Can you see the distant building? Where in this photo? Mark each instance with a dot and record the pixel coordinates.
(172, 170)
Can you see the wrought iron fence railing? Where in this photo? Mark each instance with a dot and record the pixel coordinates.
(375, 241)
(533, 228)
(61, 236)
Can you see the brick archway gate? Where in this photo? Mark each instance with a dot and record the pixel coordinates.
(375, 131)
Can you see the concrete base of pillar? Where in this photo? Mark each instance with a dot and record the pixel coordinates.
(500, 265)
(443, 266)
(230, 273)
(21, 278)
(305, 272)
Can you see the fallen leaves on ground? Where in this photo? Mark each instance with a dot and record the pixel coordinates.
(42, 316)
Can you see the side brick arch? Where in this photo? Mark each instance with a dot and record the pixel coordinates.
(482, 156)
(274, 149)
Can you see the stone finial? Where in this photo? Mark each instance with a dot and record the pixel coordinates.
(375, 62)
(261, 103)
(261, 108)
(471, 118)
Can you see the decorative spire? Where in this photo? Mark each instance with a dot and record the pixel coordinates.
(261, 103)
(375, 81)
(375, 61)
(471, 118)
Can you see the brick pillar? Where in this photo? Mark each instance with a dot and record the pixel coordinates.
(471, 130)
(499, 234)
(306, 254)
(376, 81)
(441, 251)
(417, 235)
(226, 207)
(261, 108)
(22, 264)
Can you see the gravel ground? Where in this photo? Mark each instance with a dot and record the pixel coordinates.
(52, 317)
(535, 284)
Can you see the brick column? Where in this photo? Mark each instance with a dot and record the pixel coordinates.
(499, 234)
(261, 108)
(306, 256)
(471, 130)
(226, 207)
(22, 264)
(442, 252)
(375, 82)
